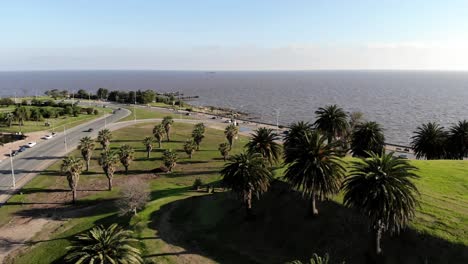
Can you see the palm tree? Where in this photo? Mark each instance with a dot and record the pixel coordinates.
(126, 156)
(263, 141)
(104, 245)
(429, 141)
(189, 147)
(72, 168)
(198, 134)
(247, 175)
(158, 132)
(458, 140)
(86, 147)
(167, 123)
(9, 117)
(381, 188)
(294, 138)
(36, 114)
(104, 137)
(231, 132)
(148, 142)
(367, 137)
(169, 159)
(331, 121)
(224, 150)
(316, 259)
(21, 113)
(316, 169)
(108, 162)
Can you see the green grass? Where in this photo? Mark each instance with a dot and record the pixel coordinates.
(214, 225)
(149, 113)
(56, 123)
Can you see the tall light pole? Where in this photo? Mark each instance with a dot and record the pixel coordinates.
(134, 110)
(277, 119)
(12, 171)
(65, 140)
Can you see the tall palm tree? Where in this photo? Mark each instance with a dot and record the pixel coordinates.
(169, 159)
(224, 150)
(189, 147)
(104, 245)
(381, 188)
(458, 140)
(126, 156)
(148, 142)
(263, 141)
(331, 121)
(86, 147)
(294, 138)
(167, 123)
(316, 259)
(104, 137)
(108, 162)
(248, 176)
(367, 137)
(21, 113)
(9, 117)
(231, 132)
(316, 169)
(72, 168)
(429, 141)
(198, 134)
(158, 132)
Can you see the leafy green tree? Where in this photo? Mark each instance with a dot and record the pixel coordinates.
(231, 132)
(381, 187)
(429, 141)
(126, 156)
(264, 141)
(458, 140)
(104, 245)
(315, 169)
(86, 147)
(21, 114)
(104, 137)
(247, 175)
(9, 117)
(36, 114)
(108, 161)
(367, 137)
(169, 159)
(158, 132)
(224, 150)
(189, 147)
(148, 142)
(167, 122)
(72, 168)
(331, 121)
(293, 138)
(198, 134)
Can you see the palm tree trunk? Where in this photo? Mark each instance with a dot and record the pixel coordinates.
(376, 241)
(73, 196)
(159, 141)
(148, 154)
(126, 170)
(87, 164)
(110, 183)
(248, 205)
(313, 207)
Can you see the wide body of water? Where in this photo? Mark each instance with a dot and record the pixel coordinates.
(399, 100)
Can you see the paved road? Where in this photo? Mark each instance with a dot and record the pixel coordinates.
(46, 152)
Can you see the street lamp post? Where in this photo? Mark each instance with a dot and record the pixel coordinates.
(12, 171)
(277, 119)
(65, 140)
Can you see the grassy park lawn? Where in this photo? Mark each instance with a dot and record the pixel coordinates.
(149, 113)
(213, 225)
(56, 123)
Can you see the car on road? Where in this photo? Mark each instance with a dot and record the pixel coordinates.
(22, 149)
(31, 144)
(14, 153)
(228, 121)
(46, 137)
(53, 134)
(213, 117)
(90, 129)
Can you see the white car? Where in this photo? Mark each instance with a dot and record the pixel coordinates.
(46, 137)
(31, 144)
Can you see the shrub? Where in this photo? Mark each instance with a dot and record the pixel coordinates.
(197, 184)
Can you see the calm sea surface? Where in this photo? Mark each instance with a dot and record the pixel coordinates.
(399, 100)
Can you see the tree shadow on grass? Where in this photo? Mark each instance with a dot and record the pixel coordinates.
(193, 173)
(214, 225)
(189, 161)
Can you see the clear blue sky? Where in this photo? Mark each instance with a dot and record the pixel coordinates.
(233, 34)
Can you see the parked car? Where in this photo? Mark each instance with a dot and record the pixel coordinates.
(46, 137)
(22, 148)
(213, 117)
(53, 134)
(90, 129)
(402, 156)
(14, 153)
(31, 144)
